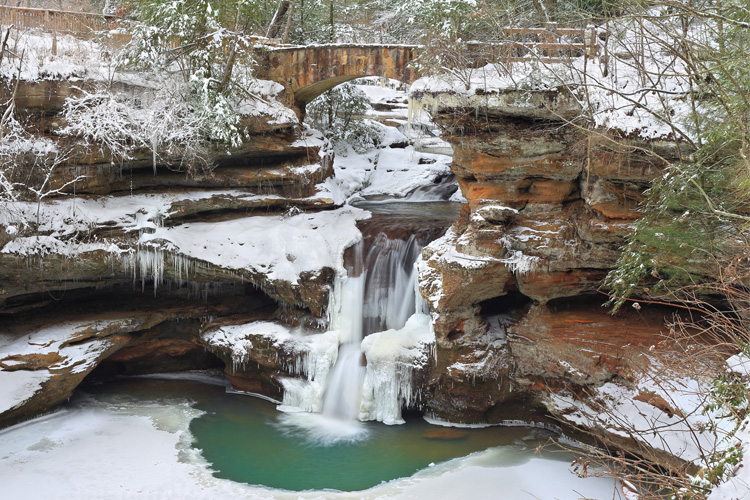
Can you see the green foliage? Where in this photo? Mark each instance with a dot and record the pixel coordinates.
(722, 466)
(696, 215)
(450, 19)
(340, 115)
(681, 239)
(188, 37)
(729, 393)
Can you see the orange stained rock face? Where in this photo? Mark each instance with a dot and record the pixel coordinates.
(585, 344)
(516, 193)
(618, 209)
(543, 286)
(483, 166)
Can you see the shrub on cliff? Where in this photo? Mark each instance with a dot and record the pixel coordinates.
(340, 115)
(188, 38)
(691, 246)
(696, 214)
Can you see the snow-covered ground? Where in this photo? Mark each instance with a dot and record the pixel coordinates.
(127, 449)
(669, 410)
(417, 159)
(737, 487)
(21, 376)
(613, 90)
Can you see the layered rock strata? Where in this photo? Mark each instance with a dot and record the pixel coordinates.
(107, 276)
(513, 284)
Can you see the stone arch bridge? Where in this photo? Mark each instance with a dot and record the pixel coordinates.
(308, 71)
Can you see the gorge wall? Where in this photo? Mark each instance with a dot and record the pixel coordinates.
(513, 285)
(87, 282)
(133, 271)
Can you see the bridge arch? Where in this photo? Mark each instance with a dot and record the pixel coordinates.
(306, 72)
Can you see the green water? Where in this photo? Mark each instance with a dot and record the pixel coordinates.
(246, 439)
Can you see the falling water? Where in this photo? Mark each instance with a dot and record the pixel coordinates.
(341, 399)
(379, 294)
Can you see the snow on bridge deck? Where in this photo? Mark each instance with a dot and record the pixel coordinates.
(309, 70)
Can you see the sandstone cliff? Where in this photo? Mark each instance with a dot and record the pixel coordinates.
(514, 285)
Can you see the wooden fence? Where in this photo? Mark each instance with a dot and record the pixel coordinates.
(57, 21)
(549, 44)
(81, 24)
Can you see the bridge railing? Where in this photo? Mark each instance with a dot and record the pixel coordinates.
(83, 24)
(549, 44)
(76, 23)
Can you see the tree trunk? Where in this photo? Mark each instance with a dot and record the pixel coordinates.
(288, 24)
(275, 26)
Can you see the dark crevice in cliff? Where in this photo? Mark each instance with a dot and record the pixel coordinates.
(584, 301)
(27, 312)
(513, 301)
(173, 346)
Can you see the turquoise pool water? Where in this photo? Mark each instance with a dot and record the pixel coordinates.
(247, 440)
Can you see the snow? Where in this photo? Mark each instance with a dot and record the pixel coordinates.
(279, 247)
(65, 217)
(663, 97)
(264, 103)
(737, 487)
(302, 353)
(629, 417)
(314, 353)
(17, 386)
(392, 358)
(44, 245)
(310, 138)
(125, 449)
(77, 60)
(739, 363)
(388, 171)
(393, 171)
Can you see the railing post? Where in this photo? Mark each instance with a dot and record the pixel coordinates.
(551, 39)
(592, 48)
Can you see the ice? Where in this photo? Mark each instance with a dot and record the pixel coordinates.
(393, 356)
(129, 449)
(313, 353)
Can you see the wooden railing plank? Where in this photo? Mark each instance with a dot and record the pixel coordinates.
(548, 42)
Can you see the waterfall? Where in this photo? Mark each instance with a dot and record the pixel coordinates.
(389, 298)
(378, 294)
(341, 398)
(375, 306)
